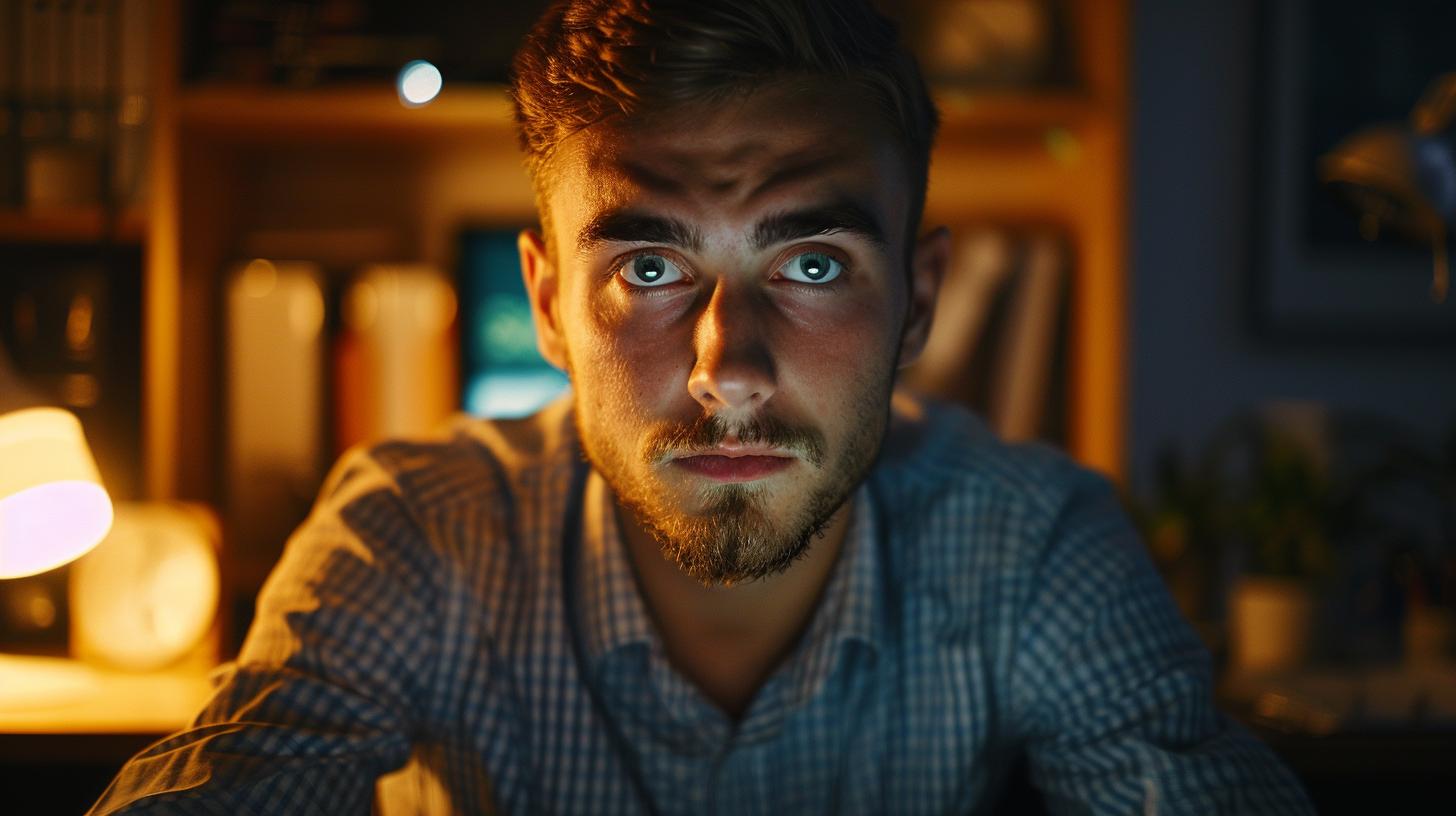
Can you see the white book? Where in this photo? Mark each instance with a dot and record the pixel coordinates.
(274, 402)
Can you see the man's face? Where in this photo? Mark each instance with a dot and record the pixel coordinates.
(729, 295)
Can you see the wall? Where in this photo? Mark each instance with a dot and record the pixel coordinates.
(1193, 359)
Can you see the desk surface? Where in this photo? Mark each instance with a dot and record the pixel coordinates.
(58, 696)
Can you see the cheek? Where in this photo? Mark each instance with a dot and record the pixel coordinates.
(834, 354)
(627, 359)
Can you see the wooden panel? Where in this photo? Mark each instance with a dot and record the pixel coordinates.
(162, 338)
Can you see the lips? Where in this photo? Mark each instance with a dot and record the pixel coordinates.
(734, 466)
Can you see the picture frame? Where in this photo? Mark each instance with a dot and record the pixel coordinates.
(1323, 71)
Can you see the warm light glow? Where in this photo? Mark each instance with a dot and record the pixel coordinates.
(51, 525)
(260, 276)
(419, 83)
(148, 594)
(53, 508)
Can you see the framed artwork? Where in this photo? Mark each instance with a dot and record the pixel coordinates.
(1325, 70)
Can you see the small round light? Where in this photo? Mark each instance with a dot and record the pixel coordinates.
(419, 83)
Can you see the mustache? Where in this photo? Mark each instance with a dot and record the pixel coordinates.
(706, 432)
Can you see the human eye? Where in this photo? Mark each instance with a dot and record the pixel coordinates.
(811, 267)
(649, 270)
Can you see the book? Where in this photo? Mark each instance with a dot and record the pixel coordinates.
(980, 265)
(1022, 373)
(131, 91)
(996, 342)
(274, 407)
(10, 164)
(394, 358)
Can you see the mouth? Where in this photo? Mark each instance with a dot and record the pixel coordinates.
(736, 463)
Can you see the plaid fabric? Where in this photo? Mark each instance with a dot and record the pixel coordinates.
(990, 602)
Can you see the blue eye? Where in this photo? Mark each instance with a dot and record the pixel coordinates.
(650, 270)
(811, 267)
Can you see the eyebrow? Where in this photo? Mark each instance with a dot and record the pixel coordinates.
(840, 216)
(630, 227)
(791, 225)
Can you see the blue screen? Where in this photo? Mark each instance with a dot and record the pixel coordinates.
(502, 373)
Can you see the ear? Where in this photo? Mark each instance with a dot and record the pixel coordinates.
(539, 274)
(928, 264)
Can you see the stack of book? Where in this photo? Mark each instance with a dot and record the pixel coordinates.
(74, 102)
(997, 344)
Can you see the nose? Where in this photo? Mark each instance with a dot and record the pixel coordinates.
(733, 370)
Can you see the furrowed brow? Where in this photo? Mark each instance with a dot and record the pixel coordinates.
(637, 228)
(845, 216)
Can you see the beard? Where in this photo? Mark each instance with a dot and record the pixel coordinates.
(737, 536)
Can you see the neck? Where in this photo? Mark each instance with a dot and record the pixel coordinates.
(728, 639)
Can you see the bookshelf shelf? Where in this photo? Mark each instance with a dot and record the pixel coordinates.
(372, 112)
(351, 113)
(71, 226)
(970, 116)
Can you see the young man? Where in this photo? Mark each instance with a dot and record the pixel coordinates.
(731, 573)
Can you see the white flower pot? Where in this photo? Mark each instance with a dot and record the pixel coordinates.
(1269, 624)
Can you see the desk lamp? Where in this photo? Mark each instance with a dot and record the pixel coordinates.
(53, 510)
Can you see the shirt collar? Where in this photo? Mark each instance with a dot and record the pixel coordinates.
(616, 615)
(851, 609)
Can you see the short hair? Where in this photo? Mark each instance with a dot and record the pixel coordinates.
(588, 61)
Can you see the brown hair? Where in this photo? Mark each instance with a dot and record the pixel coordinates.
(587, 61)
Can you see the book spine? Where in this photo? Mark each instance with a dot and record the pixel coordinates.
(273, 404)
(1019, 399)
(10, 163)
(396, 358)
(132, 101)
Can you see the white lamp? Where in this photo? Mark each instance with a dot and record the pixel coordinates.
(53, 508)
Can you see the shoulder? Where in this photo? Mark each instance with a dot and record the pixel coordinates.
(464, 486)
(974, 518)
(940, 462)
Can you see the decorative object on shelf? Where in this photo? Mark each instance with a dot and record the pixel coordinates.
(986, 43)
(1292, 517)
(1283, 515)
(1328, 70)
(1269, 624)
(1403, 177)
(146, 596)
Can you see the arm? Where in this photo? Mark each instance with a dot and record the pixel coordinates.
(331, 683)
(1113, 689)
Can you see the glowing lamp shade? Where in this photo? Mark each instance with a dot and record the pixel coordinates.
(53, 508)
(419, 83)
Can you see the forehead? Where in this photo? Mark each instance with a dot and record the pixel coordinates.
(729, 161)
